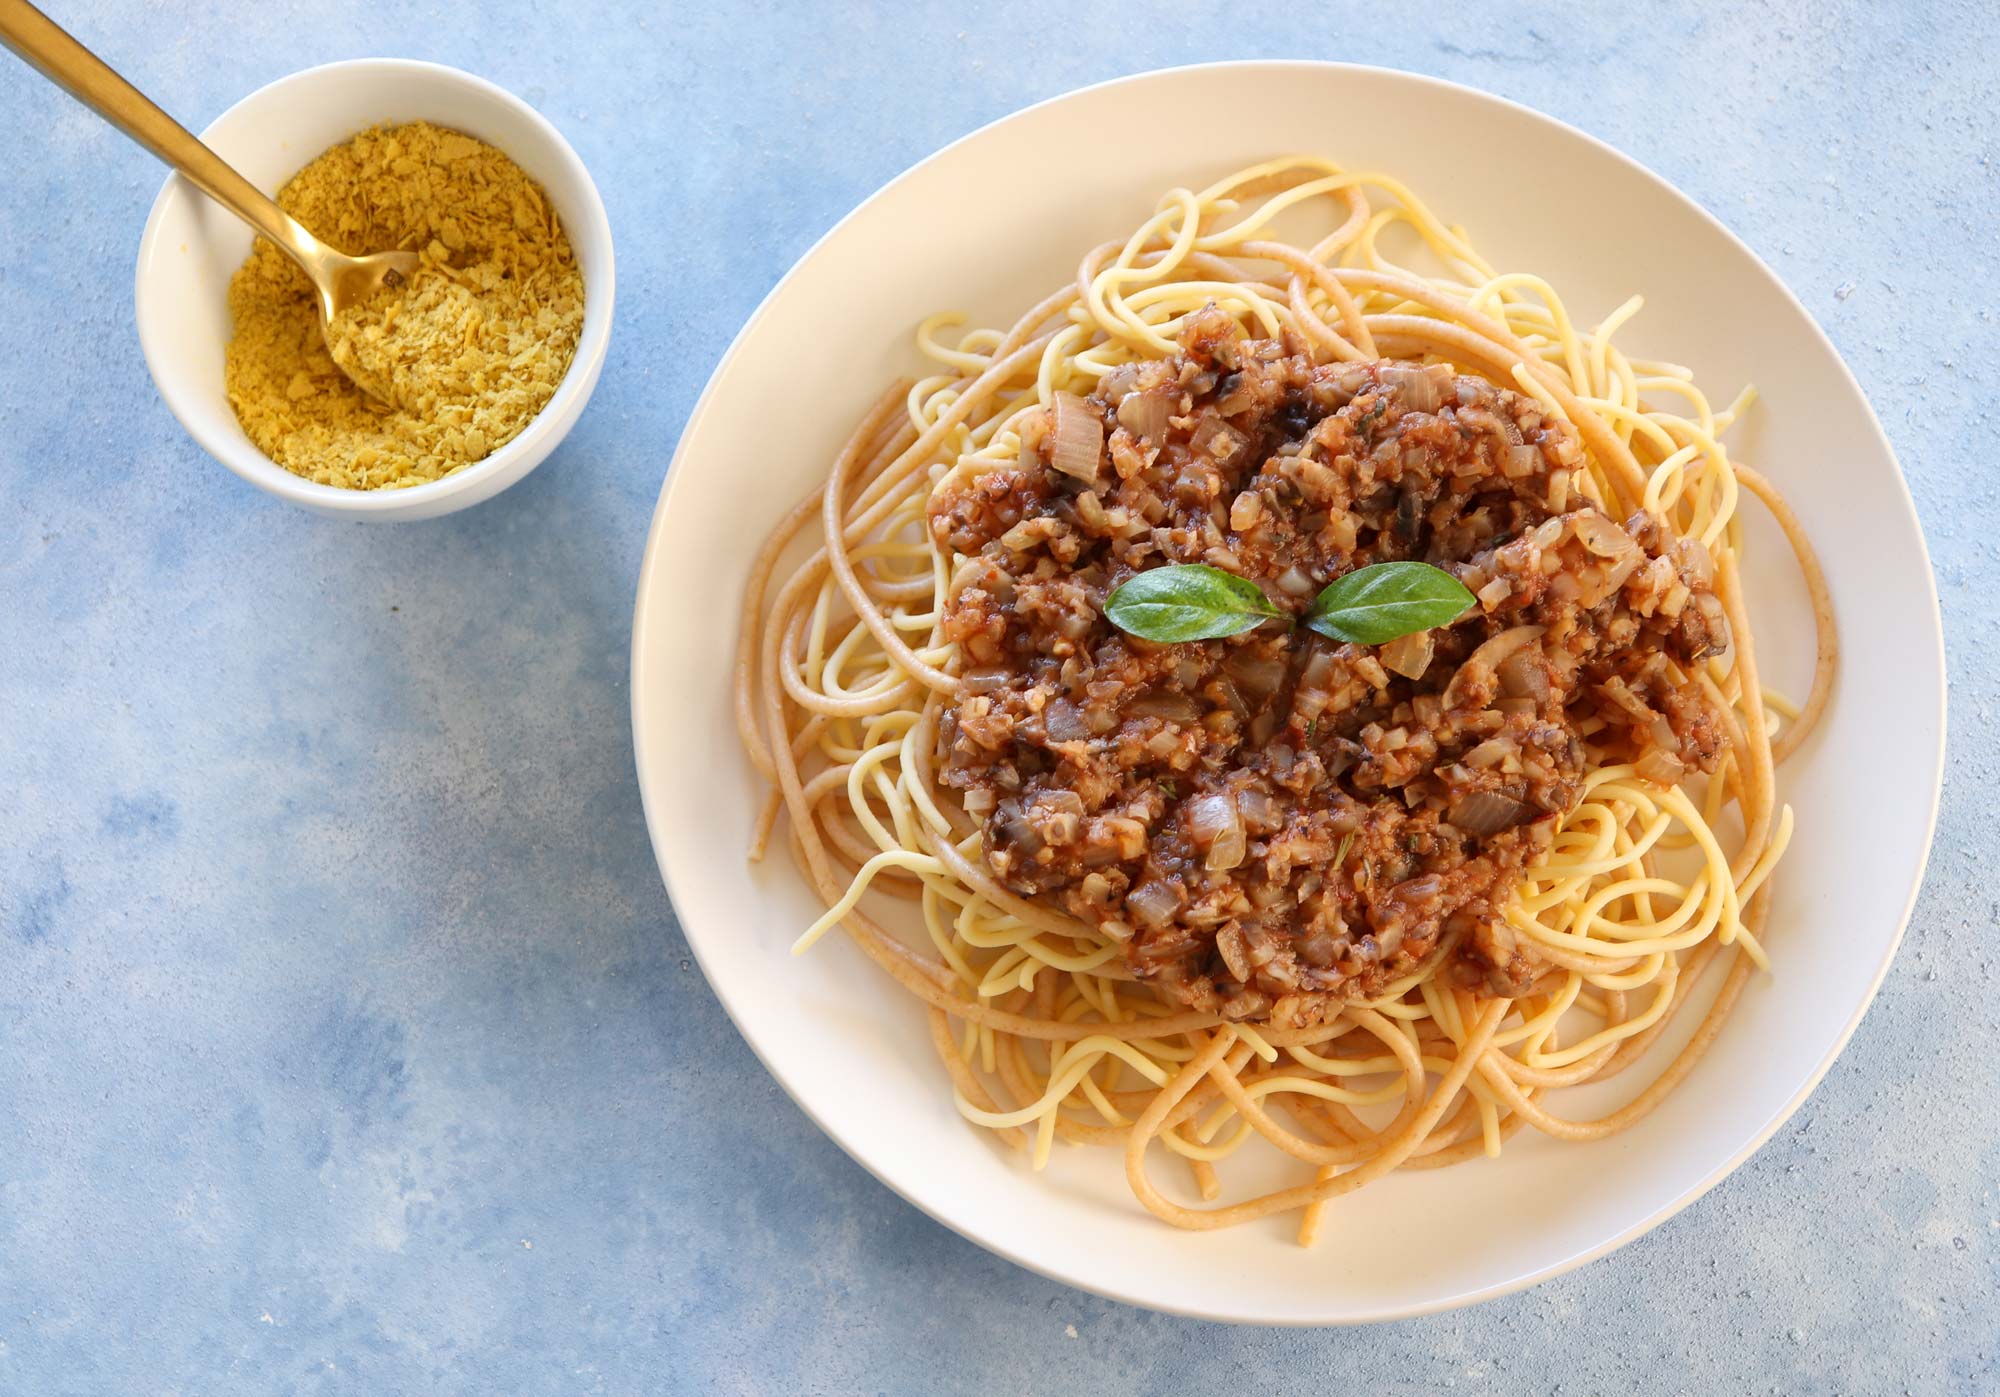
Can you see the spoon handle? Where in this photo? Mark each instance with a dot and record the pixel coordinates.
(88, 78)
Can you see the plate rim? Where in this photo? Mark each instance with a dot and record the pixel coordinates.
(650, 560)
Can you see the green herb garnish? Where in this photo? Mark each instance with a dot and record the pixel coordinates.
(1187, 601)
(1369, 606)
(1378, 603)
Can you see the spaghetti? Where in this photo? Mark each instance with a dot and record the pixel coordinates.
(846, 671)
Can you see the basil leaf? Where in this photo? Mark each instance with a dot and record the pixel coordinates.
(1376, 604)
(1186, 601)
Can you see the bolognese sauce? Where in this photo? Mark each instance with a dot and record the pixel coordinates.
(1274, 823)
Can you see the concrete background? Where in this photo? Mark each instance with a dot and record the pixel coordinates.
(347, 1042)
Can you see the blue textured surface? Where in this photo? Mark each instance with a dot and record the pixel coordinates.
(347, 1042)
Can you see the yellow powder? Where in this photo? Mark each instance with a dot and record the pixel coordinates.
(468, 351)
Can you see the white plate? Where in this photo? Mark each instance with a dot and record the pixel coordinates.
(987, 226)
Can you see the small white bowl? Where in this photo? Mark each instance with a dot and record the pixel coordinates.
(192, 246)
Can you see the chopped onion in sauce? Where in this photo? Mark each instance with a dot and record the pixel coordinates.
(1693, 552)
(1257, 676)
(1017, 832)
(1488, 657)
(1613, 577)
(1662, 768)
(1419, 389)
(1522, 676)
(1175, 708)
(1410, 655)
(1318, 669)
(1061, 802)
(1227, 851)
(1077, 439)
(1145, 415)
(985, 681)
(1209, 816)
(1119, 382)
(1603, 537)
(1259, 809)
(1154, 903)
(1296, 582)
(1488, 812)
(1063, 721)
(1230, 945)
(1217, 439)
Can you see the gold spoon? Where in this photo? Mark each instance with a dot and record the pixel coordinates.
(342, 281)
